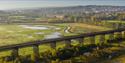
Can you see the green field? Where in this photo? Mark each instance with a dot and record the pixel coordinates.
(15, 34)
(115, 21)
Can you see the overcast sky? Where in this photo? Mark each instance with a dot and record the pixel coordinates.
(12, 4)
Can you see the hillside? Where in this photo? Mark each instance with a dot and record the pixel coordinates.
(67, 14)
(69, 10)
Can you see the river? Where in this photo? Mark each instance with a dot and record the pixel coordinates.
(44, 27)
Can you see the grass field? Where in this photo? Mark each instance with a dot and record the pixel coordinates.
(14, 34)
(116, 21)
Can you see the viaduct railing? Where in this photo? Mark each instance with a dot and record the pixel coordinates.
(119, 33)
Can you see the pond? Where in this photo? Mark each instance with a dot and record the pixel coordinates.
(43, 27)
(53, 35)
(35, 27)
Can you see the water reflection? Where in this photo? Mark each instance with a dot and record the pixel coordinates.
(42, 27)
(35, 27)
(53, 35)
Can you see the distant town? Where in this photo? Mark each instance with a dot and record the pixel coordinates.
(63, 14)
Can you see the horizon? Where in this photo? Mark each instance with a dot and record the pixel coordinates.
(20, 4)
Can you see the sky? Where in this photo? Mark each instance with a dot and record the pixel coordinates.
(13, 4)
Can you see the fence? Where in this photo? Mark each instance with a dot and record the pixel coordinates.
(119, 33)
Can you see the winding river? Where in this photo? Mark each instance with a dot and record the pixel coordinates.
(50, 36)
(67, 29)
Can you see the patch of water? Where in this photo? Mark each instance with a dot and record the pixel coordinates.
(35, 27)
(67, 29)
(40, 27)
(57, 28)
(53, 35)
